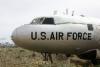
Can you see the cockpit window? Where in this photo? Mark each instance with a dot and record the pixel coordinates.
(90, 27)
(48, 21)
(43, 20)
(37, 21)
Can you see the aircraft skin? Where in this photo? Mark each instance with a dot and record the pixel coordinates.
(70, 36)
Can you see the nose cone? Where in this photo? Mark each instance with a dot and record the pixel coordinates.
(14, 36)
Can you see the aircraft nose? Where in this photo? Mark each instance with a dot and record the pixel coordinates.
(14, 36)
(17, 35)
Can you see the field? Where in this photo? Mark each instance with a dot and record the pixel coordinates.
(18, 57)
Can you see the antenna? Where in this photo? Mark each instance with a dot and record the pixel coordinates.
(55, 12)
(66, 11)
(73, 13)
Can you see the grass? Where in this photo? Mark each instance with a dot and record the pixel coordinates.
(18, 57)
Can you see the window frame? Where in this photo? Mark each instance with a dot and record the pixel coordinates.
(90, 27)
(53, 23)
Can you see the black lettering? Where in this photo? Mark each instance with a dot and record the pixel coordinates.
(74, 36)
(56, 36)
(89, 36)
(43, 35)
(61, 35)
(33, 38)
(52, 37)
(68, 34)
(84, 36)
(79, 35)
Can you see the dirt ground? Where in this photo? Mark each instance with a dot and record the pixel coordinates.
(18, 57)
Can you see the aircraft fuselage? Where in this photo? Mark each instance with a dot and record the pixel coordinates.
(62, 38)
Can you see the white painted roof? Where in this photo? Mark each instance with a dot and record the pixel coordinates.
(74, 19)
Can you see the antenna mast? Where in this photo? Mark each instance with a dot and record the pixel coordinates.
(66, 11)
(55, 12)
(73, 13)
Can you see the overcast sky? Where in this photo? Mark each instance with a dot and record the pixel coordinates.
(14, 13)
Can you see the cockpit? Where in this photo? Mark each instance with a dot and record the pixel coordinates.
(43, 20)
(56, 20)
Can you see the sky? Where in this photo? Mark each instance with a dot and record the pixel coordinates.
(14, 13)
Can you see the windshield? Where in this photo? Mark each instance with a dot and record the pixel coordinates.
(48, 20)
(43, 20)
(37, 21)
